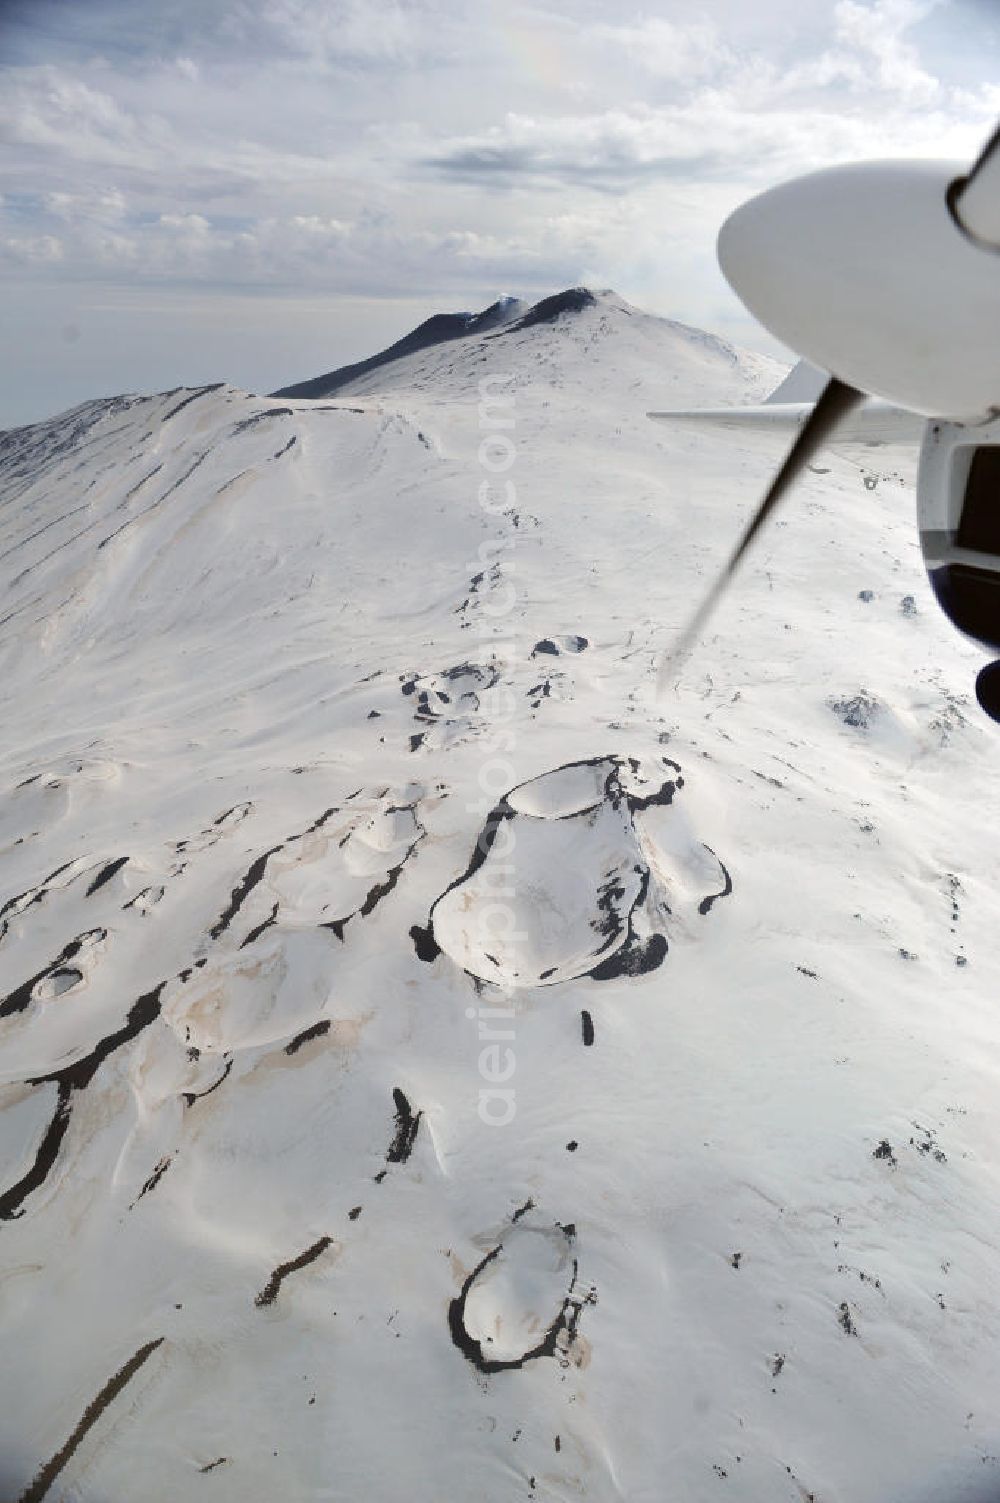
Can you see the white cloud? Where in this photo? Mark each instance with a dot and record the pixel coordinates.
(716, 133)
(316, 226)
(872, 53)
(442, 150)
(338, 30)
(47, 102)
(32, 249)
(49, 110)
(877, 31)
(680, 51)
(736, 114)
(107, 204)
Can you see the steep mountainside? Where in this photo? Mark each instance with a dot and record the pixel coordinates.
(431, 1067)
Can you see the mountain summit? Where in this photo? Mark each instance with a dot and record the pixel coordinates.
(439, 329)
(557, 338)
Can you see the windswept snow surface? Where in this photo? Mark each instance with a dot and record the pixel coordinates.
(337, 805)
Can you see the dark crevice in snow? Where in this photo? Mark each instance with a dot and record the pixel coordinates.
(226, 814)
(37, 563)
(190, 1097)
(256, 932)
(260, 417)
(11, 1201)
(318, 824)
(106, 873)
(144, 900)
(154, 1179)
(380, 890)
(216, 829)
(202, 391)
(140, 483)
(17, 1000)
(68, 1080)
(31, 536)
(424, 942)
(407, 1123)
(242, 891)
(307, 1035)
(199, 459)
(705, 906)
(44, 1478)
(269, 1293)
(33, 895)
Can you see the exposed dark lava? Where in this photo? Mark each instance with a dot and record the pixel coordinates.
(45, 1477)
(269, 1293)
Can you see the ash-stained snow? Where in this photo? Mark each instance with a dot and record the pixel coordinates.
(344, 1155)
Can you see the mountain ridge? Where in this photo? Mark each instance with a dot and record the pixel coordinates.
(566, 323)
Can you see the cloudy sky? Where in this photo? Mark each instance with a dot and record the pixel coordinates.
(259, 190)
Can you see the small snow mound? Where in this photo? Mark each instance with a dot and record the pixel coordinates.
(519, 1293)
(578, 866)
(573, 877)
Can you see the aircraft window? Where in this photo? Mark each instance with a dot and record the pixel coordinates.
(979, 525)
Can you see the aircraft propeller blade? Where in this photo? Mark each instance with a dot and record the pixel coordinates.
(975, 200)
(834, 403)
(809, 259)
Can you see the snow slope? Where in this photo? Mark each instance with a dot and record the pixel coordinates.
(337, 804)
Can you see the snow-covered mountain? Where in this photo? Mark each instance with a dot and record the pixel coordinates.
(432, 1068)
